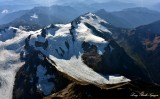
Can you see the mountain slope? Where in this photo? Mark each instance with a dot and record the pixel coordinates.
(142, 44)
(152, 28)
(149, 38)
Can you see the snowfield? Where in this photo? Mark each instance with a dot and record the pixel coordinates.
(34, 16)
(5, 11)
(82, 73)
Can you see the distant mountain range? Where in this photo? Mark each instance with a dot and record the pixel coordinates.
(9, 17)
(113, 5)
(131, 17)
(16, 7)
(42, 16)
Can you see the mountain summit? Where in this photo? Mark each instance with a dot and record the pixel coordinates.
(51, 58)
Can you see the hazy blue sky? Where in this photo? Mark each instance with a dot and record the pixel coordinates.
(50, 2)
(144, 2)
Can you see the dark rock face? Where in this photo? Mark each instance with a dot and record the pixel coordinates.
(71, 31)
(31, 80)
(43, 34)
(113, 61)
(90, 92)
(104, 35)
(41, 44)
(90, 57)
(26, 79)
(75, 91)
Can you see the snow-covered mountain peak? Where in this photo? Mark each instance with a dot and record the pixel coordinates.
(68, 38)
(90, 20)
(92, 17)
(66, 44)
